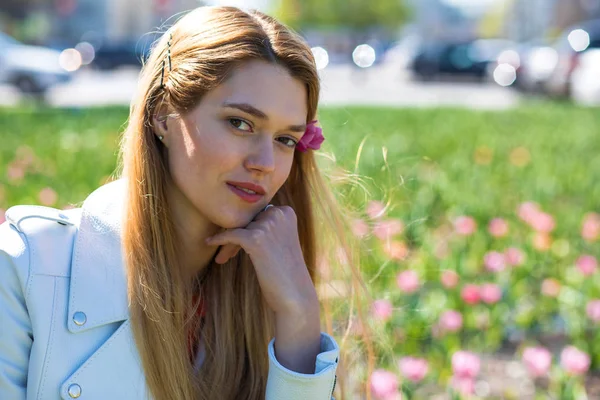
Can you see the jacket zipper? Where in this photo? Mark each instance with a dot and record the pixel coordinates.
(333, 388)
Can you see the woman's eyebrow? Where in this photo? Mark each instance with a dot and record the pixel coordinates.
(249, 109)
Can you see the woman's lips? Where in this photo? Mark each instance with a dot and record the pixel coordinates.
(248, 197)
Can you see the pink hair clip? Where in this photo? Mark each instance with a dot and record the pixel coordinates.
(312, 138)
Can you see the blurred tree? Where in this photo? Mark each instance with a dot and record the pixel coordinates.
(493, 22)
(354, 14)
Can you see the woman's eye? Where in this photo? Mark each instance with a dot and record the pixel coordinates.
(290, 142)
(239, 123)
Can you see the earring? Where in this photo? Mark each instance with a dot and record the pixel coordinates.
(160, 137)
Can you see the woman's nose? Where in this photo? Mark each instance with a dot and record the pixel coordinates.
(261, 156)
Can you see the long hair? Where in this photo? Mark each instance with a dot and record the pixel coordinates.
(206, 45)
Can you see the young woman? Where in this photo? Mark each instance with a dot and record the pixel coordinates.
(193, 275)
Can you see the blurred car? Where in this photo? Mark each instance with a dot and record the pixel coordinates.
(573, 42)
(32, 69)
(117, 55)
(111, 55)
(537, 60)
(469, 58)
(403, 52)
(585, 80)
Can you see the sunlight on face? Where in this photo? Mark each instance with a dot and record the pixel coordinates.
(245, 130)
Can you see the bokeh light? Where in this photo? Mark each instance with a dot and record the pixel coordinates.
(510, 57)
(321, 57)
(87, 52)
(542, 61)
(70, 60)
(364, 55)
(505, 75)
(579, 39)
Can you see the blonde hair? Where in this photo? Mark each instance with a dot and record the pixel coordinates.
(206, 45)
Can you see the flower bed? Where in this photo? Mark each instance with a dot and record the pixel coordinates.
(483, 233)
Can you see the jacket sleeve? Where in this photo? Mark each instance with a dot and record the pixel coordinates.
(15, 326)
(283, 383)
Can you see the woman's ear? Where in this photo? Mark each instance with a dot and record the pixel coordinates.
(159, 122)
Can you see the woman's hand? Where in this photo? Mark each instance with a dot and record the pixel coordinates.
(271, 240)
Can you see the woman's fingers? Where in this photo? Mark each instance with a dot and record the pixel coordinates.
(231, 239)
(236, 251)
(226, 252)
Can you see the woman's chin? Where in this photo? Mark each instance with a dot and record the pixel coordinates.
(233, 221)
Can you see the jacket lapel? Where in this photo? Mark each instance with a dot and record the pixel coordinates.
(98, 286)
(98, 296)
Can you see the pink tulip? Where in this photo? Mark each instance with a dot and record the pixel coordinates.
(550, 287)
(494, 261)
(408, 281)
(587, 264)
(382, 310)
(465, 364)
(514, 256)
(15, 172)
(449, 279)
(375, 209)
(388, 229)
(470, 294)
(48, 196)
(593, 310)
(527, 210)
(463, 385)
(395, 250)
(590, 228)
(464, 225)
(498, 227)
(25, 155)
(384, 384)
(490, 293)
(2, 215)
(414, 369)
(537, 360)
(574, 361)
(542, 222)
(360, 228)
(451, 321)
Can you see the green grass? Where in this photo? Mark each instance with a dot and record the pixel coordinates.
(431, 157)
(73, 151)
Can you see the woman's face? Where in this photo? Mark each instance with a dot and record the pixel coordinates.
(244, 131)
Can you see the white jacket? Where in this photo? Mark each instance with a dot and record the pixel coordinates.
(64, 321)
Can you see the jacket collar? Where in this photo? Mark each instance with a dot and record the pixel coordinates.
(98, 285)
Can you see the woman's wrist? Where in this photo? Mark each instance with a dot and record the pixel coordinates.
(298, 339)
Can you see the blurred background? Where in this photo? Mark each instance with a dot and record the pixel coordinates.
(84, 52)
(471, 127)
